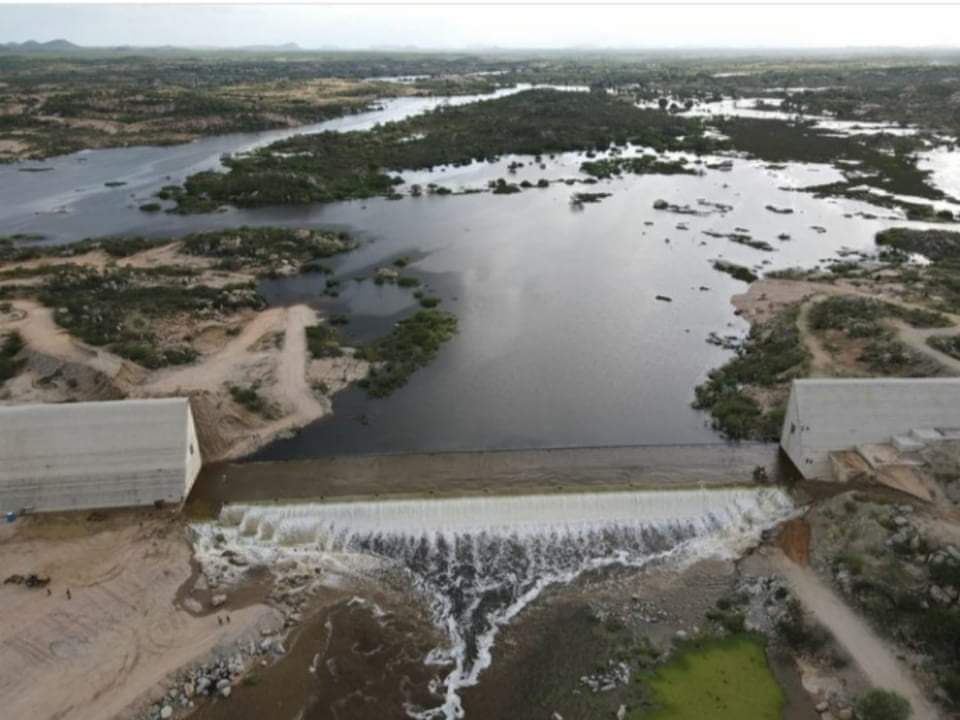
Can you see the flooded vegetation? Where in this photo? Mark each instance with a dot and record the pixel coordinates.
(568, 294)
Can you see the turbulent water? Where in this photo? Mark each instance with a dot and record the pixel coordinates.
(482, 560)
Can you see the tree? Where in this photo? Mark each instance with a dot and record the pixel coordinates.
(882, 705)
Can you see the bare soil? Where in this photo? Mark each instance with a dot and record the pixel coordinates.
(264, 349)
(99, 652)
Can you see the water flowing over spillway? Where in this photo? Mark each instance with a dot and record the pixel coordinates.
(481, 560)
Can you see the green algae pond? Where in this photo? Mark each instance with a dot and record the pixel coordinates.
(721, 679)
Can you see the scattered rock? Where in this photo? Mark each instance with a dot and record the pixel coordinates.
(166, 713)
(192, 605)
(218, 600)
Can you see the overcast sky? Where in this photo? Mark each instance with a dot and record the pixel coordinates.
(458, 26)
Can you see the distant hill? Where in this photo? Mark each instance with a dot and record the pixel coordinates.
(58, 45)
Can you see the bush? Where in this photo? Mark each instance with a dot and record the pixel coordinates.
(410, 345)
(882, 705)
(800, 635)
(10, 347)
(323, 341)
(250, 398)
(771, 355)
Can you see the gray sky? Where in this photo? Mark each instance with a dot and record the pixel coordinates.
(457, 26)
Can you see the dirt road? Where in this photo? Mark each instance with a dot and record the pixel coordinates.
(871, 654)
(42, 334)
(916, 338)
(226, 364)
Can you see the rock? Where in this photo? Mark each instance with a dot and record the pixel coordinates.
(822, 707)
(660, 204)
(556, 716)
(900, 521)
(827, 716)
(218, 600)
(621, 712)
(845, 714)
(939, 595)
(225, 691)
(192, 605)
(189, 690)
(166, 713)
(680, 635)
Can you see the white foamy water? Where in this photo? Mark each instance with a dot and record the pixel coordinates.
(481, 560)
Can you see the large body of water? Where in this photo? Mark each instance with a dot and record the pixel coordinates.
(562, 340)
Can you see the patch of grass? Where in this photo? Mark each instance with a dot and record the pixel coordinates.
(720, 679)
(116, 309)
(799, 634)
(641, 165)
(249, 397)
(859, 316)
(10, 346)
(933, 244)
(410, 345)
(265, 248)
(738, 272)
(323, 341)
(948, 344)
(329, 166)
(882, 705)
(771, 356)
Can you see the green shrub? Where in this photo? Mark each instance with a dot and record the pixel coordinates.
(882, 705)
(10, 347)
(323, 341)
(410, 345)
(250, 398)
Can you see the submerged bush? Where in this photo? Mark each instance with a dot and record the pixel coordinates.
(410, 345)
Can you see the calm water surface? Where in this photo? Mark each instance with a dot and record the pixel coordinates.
(562, 339)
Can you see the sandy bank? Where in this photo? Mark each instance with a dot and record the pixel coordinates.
(98, 653)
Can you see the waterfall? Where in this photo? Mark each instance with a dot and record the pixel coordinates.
(481, 560)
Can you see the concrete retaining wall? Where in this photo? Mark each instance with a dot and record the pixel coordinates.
(96, 455)
(837, 414)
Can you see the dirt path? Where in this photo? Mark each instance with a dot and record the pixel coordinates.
(291, 373)
(218, 368)
(766, 298)
(821, 361)
(97, 653)
(916, 338)
(42, 334)
(871, 654)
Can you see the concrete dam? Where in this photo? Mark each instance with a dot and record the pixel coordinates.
(478, 561)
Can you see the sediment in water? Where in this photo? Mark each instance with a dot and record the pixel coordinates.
(481, 560)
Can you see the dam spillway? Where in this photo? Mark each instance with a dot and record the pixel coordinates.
(478, 561)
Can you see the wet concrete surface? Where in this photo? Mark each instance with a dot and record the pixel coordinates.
(484, 472)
